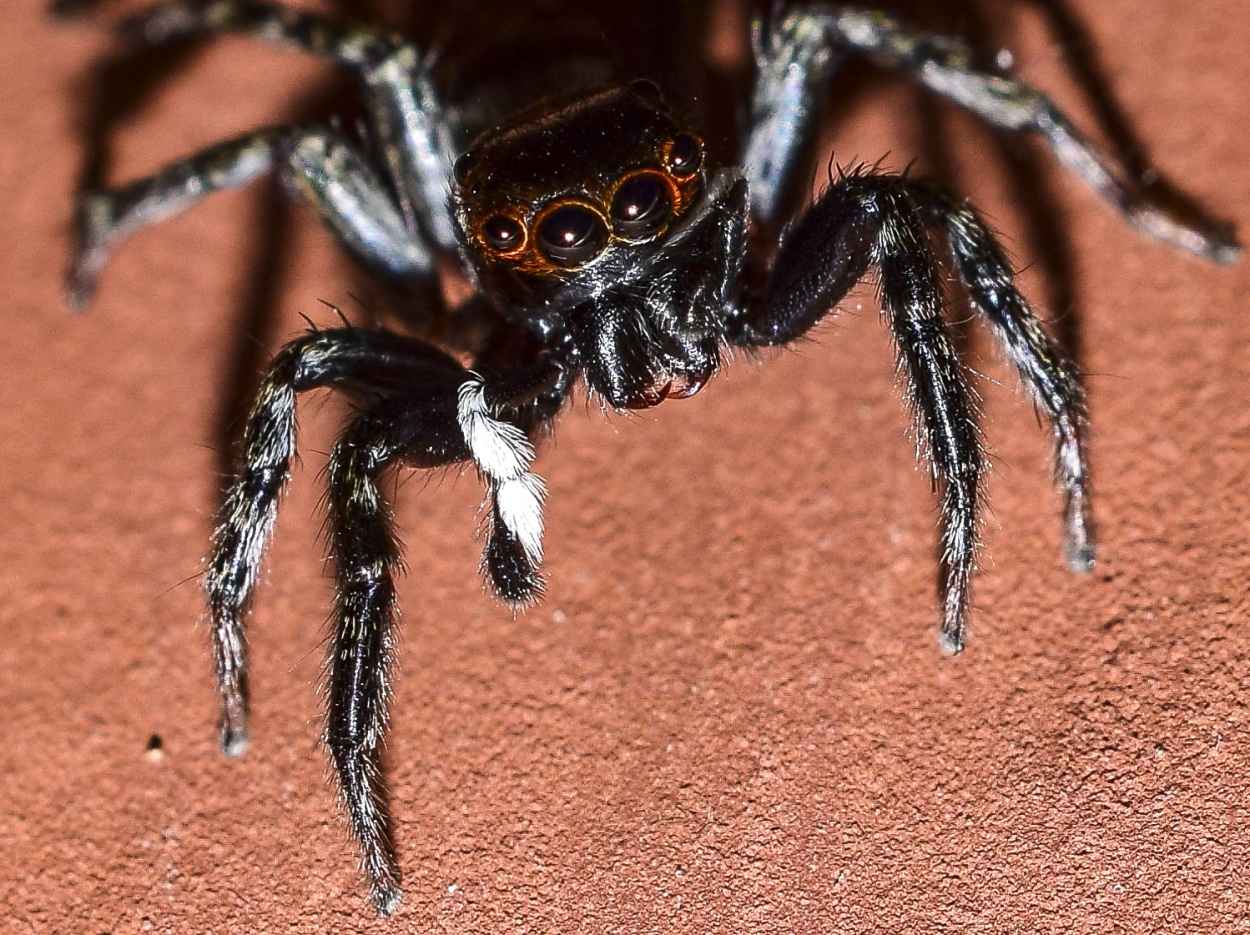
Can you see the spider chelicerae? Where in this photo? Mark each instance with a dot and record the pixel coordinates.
(543, 155)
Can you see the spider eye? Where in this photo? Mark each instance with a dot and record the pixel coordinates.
(460, 168)
(647, 90)
(502, 233)
(685, 155)
(571, 235)
(641, 207)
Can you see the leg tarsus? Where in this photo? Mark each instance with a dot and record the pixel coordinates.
(360, 785)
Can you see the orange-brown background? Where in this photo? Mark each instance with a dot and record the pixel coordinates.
(730, 713)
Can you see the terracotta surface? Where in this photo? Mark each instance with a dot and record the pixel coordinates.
(730, 714)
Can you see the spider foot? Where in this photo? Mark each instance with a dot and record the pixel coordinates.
(386, 896)
(96, 219)
(236, 735)
(235, 739)
(1079, 548)
(956, 589)
(951, 641)
(1187, 228)
(509, 567)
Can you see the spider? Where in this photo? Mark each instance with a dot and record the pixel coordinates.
(606, 248)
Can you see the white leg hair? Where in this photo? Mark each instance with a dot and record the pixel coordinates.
(503, 455)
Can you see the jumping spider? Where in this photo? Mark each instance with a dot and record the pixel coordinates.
(605, 247)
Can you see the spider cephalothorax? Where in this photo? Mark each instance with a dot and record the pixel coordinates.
(606, 249)
(575, 216)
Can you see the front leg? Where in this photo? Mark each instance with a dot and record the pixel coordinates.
(880, 220)
(426, 427)
(423, 409)
(353, 359)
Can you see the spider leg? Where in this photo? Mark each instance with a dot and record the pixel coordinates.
(797, 54)
(867, 219)
(322, 166)
(366, 557)
(406, 117)
(1052, 379)
(427, 410)
(423, 430)
(351, 358)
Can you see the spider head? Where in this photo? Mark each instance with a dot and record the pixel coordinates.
(597, 210)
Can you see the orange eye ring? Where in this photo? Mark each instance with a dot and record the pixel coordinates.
(570, 233)
(503, 234)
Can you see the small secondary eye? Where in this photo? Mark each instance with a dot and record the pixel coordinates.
(648, 90)
(641, 207)
(571, 235)
(503, 233)
(685, 155)
(460, 168)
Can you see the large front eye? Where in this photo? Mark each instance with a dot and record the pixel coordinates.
(641, 207)
(571, 235)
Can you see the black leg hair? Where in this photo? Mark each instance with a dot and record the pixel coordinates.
(798, 52)
(427, 411)
(352, 358)
(411, 132)
(1051, 378)
(450, 415)
(868, 219)
(938, 390)
(366, 557)
(423, 430)
(322, 166)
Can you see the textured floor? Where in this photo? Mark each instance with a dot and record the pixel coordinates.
(730, 714)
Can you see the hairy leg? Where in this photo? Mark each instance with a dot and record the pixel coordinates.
(322, 166)
(407, 121)
(350, 358)
(798, 52)
(880, 220)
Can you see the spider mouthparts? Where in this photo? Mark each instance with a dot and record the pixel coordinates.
(681, 386)
(686, 385)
